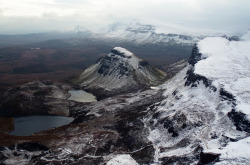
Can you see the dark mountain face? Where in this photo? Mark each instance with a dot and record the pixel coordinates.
(119, 71)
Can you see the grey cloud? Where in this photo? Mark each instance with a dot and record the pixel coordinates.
(230, 15)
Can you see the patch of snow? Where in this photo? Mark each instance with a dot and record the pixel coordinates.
(123, 159)
(227, 64)
(130, 58)
(123, 51)
(155, 88)
(238, 151)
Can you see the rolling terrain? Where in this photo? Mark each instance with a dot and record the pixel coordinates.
(61, 60)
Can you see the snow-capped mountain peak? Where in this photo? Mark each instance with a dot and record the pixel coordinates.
(125, 56)
(122, 51)
(119, 71)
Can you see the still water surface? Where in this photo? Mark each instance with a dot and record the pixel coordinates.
(25, 126)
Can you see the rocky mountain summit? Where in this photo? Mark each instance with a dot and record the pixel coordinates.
(119, 71)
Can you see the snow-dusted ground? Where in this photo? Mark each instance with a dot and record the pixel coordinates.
(234, 152)
(142, 33)
(197, 116)
(124, 159)
(227, 64)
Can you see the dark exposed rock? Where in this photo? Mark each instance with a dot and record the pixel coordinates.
(30, 146)
(144, 156)
(177, 122)
(196, 56)
(194, 79)
(36, 98)
(234, 38)
(105, 150)
(226, 95)
(143, 63)
(128, 129)
(208, 158)
(240, 121)
(2, 157)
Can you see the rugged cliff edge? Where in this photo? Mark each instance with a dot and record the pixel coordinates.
(204, 117)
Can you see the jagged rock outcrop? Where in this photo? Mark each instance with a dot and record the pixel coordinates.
(120, 71)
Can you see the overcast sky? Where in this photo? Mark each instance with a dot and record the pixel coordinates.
(24, 16)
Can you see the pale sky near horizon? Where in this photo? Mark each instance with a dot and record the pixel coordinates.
(24, 16)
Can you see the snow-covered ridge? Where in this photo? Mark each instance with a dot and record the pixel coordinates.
(144, 33)
(125, 56)
(227, 64)
(206, 107)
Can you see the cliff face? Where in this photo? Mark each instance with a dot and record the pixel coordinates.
(204, 117)
(118, 72)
